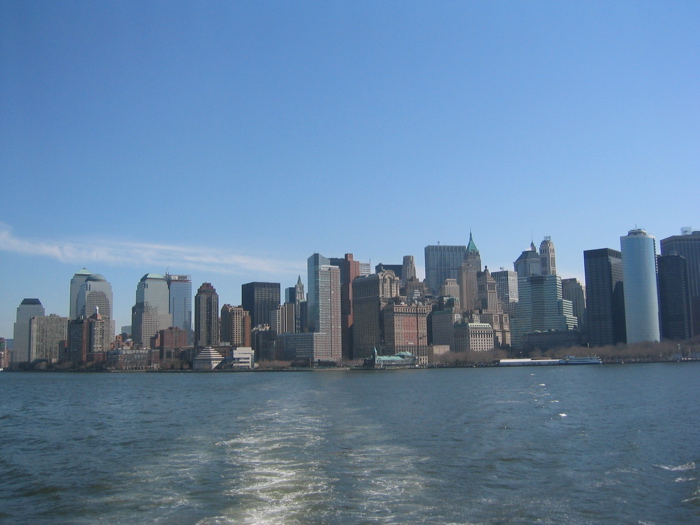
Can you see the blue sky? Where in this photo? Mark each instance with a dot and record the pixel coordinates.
(231, 140)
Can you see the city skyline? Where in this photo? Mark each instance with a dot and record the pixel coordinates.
(229, 142)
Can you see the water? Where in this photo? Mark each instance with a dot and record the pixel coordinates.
(586, 444)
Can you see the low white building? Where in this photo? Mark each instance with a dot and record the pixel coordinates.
(243, 357)
(207, 359)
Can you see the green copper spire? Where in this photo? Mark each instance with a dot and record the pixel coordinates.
(471, 247)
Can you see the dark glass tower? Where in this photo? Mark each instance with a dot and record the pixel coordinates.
(688, 245)
(605, 303)
(206, 320)
(260, 299)
(674, 300)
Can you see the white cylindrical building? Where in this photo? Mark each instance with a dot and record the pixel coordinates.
(640, 289)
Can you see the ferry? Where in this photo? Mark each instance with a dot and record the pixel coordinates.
(588, 360)
(568, 360)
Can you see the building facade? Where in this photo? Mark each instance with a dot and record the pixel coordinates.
(180, 297)
(442, 262)
(235, 326)
(260, 299)
(605, 305)
(640, 290)
(674, 297)
(27, 309)
(206, 316)
(371, 294)
(151, 313)
(688, 245)
(48, 336)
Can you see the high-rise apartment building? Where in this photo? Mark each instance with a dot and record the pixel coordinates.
(27, 309)
(88, 339)
(151, 313)
(260, 299)
(180, 294)
(605, 304)
(48, 336)
(548, 260)
(206, 316)
(640, 290)
(235, 326)
(442, 262)
(688, 245)
(329, 318)
(674, 297)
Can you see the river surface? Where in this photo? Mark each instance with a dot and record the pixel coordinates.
(576, 444)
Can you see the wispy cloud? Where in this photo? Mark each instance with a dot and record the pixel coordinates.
(137, 254)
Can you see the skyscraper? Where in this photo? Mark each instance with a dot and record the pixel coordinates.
(95, 296)
(442, 262)
(468, 275)
(688, 245)
(541, 308)
(641, 292)
(605, 306)
(371, 294)
(27, 309)
(180, 294)
(529, 263)
(572, 290)
(507, 285)
(349, 271)
(313, 265)
(235, 326)
(206, 316)
(151, 313)
(260, 299)
(329, 346)
(548, 264)
(75, 284)
(409, 269)
(674, 297)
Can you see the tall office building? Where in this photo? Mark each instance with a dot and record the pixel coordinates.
(548, 261)
(572, 290)
(406, 329)
(688, 245)
(349, 271)
(151, 313)
(295, 295)
(528, 263)
(260, 299)
(541, 308)
(48, 335)
(95, 296)
(180, 294)
(408, 271)
(27, 309)
(235, 326)
(371, 294)
(640, 290)
(467, 278)
(206, 316)
(674, 297)
(75, 284)
(313, 264)
(507, 286)
(605, 304)
(442, 262)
